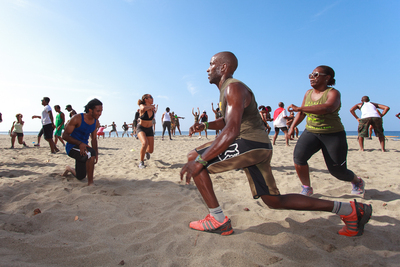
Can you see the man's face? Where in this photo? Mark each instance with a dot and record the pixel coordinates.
(96, 112)
(214, 71)
(69, 108)
(44, 102)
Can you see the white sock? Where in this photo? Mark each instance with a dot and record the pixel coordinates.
(218, 214)
(342, 208)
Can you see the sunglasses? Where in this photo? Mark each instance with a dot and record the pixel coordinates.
(315, 75)
(149, 97)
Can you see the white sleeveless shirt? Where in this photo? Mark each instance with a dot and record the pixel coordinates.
(368, 110)
(167, 117)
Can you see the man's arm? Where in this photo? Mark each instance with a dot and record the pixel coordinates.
(398, 115)
(353, 110)
(212, 107)
(73, 123)
(51, 118)
(94, 141)
(237, 98)
(385, 108)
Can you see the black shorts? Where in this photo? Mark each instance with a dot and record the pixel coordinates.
(284, 129)
(48, 131)
(80, 161)
(20, 134)
(253, 157)
(40, 133)
(334, 149)
(147, 130)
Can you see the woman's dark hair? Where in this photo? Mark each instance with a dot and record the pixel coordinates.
(261, 107)
(92, 104)
(141, 101)
(329, 71)
(268, 108)
(167, 109)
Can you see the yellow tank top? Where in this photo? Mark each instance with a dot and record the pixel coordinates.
(322, 123)
(252, 126)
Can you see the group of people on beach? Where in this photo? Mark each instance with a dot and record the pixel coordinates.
(49, 125)
(242, 142)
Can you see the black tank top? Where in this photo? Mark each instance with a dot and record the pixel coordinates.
(145, 116)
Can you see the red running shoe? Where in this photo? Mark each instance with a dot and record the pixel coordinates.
(210, 224)
(356, 220)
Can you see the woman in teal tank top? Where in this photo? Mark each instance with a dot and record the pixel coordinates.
(324, 131)
(16, 131)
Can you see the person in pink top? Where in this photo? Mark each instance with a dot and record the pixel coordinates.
(100, 132)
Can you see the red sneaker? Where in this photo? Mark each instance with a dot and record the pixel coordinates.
(356, 220)
(210, 224)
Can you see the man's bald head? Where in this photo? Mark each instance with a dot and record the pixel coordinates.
(365, 99)
(229, 59)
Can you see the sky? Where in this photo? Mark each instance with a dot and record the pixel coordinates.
(76, 50)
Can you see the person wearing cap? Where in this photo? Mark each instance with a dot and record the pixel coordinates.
(203, 119)
(48, 124)
(71, 111)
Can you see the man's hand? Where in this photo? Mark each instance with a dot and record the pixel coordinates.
(83, 148)
(191, 169)
(195, 128)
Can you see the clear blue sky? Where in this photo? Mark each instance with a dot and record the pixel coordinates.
(75, 50)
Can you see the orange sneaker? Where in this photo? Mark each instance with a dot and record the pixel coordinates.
(210, 224)
(356, 220)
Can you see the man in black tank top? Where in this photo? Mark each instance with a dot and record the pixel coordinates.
(243, 143)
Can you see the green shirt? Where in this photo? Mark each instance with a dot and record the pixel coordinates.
(322, 123)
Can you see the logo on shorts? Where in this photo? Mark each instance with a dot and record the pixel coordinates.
(231, 152)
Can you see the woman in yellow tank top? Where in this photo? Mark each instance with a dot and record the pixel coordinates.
(324, 131)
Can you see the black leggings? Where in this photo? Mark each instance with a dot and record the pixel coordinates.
(166, 124)
(334, 148)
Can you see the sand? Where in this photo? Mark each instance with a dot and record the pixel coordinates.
(141, 217)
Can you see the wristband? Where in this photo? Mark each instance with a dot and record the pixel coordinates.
(200, 160)
(205, 125)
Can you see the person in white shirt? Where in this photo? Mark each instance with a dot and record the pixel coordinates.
(166, 122)
(48, 124)
(280, 118)
(370, 116)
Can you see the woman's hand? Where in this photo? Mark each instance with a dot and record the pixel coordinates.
(293, 108)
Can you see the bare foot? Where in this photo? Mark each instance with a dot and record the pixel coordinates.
(68, 169)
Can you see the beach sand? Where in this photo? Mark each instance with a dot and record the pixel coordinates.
(141, 217)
